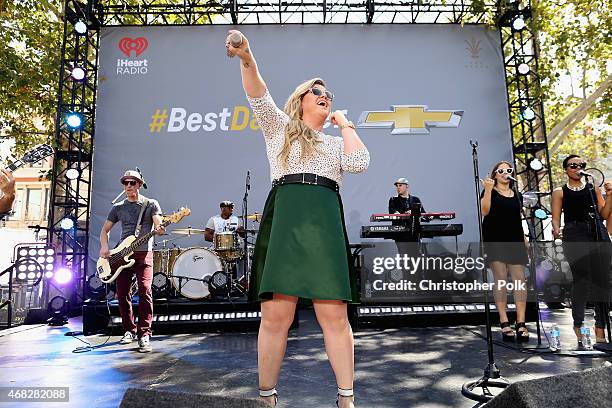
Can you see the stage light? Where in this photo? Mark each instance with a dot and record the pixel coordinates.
(67, 223)
(95, 289)
(80, 27)
(523, 69)
(72, 174)
(217, 283)
(77, 73)
(530, 199)
(74, 120)
(32, 260)
(540, 214)
(535, 164)
(58, 308)
(528, 114)
(546, 265)
(159, 285)
(518, 24)
(63, 276)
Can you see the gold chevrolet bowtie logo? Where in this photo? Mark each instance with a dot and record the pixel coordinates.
(409, 119)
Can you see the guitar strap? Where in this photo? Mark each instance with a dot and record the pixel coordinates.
(145, 203)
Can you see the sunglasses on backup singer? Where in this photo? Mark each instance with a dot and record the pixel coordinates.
(575, 166)
(502, 171)
(320, 92)
(129, 182)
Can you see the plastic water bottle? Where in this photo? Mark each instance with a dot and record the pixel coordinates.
(555, 338)
(586, 338)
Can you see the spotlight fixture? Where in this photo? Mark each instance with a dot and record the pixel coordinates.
(80, 27)
(77, 73)
(67, 223)
(58, 308)
(518, 24)
(33, 261)
(74, 120)
(219, 280)
(63, 275)
(523, 69)
(535, 164)
(530, 199)
(159, 285)
(95, 287)
(72, 174)
(528, 114)
(540, 214)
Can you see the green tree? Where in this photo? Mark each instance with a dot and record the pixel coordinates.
(30, 42)
(575, 50)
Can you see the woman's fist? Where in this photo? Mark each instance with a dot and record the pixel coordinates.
(236, 44)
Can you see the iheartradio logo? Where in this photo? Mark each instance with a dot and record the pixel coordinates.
(127, 45)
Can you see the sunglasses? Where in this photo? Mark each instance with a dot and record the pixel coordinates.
(509, 170)
(320, 92)
(129, 182)
(574, 166)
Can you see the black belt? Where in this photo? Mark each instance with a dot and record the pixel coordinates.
(307, 178)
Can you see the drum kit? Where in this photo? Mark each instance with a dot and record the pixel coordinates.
(220, 271)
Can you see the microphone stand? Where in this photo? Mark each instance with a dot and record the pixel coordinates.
(491, 376)
(245, 220)
(117, 197)
(601, 239)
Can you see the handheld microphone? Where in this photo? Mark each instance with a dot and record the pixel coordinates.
(236, 40)
(512, 179)
(584, 173)
(144, 184)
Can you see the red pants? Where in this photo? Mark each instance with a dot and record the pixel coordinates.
(144, 276)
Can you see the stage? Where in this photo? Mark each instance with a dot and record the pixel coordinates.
(407, 367)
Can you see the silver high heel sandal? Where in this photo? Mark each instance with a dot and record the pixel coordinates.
(343, 393)
(269, 393)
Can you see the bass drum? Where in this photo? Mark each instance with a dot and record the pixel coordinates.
(192, 271)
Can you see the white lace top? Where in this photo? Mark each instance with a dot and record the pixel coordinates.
(329, 161)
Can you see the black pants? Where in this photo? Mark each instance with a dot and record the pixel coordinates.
(590, 265)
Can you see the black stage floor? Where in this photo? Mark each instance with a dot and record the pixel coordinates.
(408, 367)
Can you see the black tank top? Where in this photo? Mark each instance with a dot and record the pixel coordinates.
(577, 205)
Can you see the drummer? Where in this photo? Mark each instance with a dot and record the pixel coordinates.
(223, 222)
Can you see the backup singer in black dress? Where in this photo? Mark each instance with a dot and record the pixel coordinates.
(589, 262)
(504, 240)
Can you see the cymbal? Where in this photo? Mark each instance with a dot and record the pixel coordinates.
(255, 217)
(187, 231)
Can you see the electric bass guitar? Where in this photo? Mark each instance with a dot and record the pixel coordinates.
(108, 269)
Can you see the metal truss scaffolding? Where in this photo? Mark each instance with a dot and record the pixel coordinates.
(70, 197)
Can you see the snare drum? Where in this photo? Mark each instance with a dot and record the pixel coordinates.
(227, 245)
(192, 270)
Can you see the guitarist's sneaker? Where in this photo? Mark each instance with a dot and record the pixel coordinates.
(144, 344)
(127, 338)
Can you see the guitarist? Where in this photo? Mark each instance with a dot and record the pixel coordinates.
(127, 212)
(7, 186)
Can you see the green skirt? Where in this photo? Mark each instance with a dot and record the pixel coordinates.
(302, 248)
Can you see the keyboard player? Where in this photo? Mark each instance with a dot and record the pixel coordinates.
(403, 203)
